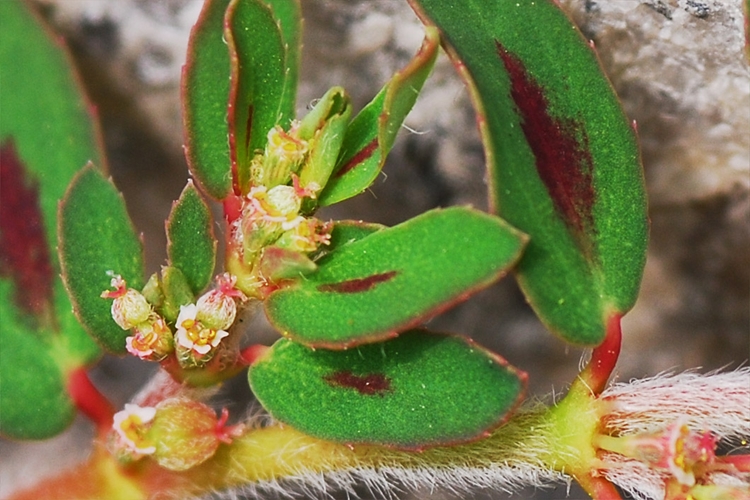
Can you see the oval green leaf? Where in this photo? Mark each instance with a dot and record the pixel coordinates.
(205, 96)
(413, 392)
(563, 158)
(258, 76)
(288, 15)
(96, 240)
(395, 278)
(191, 244)
(371, 134)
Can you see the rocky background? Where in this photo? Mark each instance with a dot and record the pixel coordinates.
(677, 64)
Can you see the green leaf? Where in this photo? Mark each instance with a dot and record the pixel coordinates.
(34, 400)
(395, 278)
(371, 134)
(413, 392)
(258, 62)
(191, 244)
(563, 158)
(47, 132)
(287, 14)
(205, 97)
(96, 240)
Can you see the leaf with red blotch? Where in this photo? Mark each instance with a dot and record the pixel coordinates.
(24, 250)
(392, 279)
(47, 132)
(563, 159)
(410, 393)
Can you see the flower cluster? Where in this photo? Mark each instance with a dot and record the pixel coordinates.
(272, 213)
(152, 338)
(203, 325)
(178, 433)
(199, 328)
(662, 434)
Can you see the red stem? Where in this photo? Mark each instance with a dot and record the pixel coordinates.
(740, 462)
(598, 487)
(251, 354)
(89, 400)
(603, 358)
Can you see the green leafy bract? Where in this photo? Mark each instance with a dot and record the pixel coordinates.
(372, 132)
(191, 244)
(97, 240)
(412, 392)
(563, 159)
(394, 278)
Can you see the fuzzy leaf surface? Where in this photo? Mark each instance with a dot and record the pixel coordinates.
(395, 278)
(97, 238)
(287, 14)
(411, 392)
(371, 134)
(258, 62)
(191, 243)
(563, 158)
(205, 96)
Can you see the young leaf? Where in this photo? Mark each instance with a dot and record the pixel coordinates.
(371, 134)
(96, 240)
(325, 127)
(258, 62)
(413, 392)
(191, 244)
(287, 14)
(395, 278)
(563, 159)
(205, 95)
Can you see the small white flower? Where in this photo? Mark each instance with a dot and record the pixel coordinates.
(193, 335)
(131, 425)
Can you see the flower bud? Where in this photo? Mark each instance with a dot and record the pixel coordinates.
(186, 433)
(130, 307)
(218, 308)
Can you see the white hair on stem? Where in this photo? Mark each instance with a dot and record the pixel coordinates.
(509, 459)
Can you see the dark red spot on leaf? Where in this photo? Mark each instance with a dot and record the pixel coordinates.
(372, 384)
(561, 148)
(358, 158)
(24, 253)
(358, 285)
